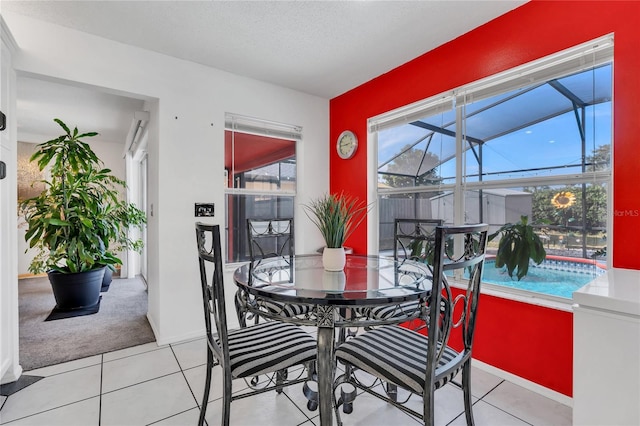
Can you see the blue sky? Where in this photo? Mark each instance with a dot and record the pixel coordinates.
(548, 143)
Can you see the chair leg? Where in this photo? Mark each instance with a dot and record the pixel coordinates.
(226, 399)
(281, 376)
(207, 387)
(392, 391)
(347, 398)
(466, 389)
(311, 395)
(429, 408)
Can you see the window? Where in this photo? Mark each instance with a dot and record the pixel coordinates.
(534, 141)
(260, 165)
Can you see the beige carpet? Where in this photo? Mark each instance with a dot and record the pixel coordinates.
(120, 323)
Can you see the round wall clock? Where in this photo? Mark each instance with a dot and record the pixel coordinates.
(347, 144)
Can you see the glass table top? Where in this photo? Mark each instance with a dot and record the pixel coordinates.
(366, 280)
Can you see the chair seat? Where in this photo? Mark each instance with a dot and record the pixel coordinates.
(287, 310)
(386, 312)
(268, 347)
(398, 355)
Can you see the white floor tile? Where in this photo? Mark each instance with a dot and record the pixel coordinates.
(144, 385)
(134, 369)
(481, 382)
(81, 413)
(449, 403)
(191, 354)
(53, 392)
(369, 410)
(488, 415)
(267, 409)
(147, 402)
(295, 394)
(189, 417)
(196, 377)
(66, 366)
(122, 353)
(529, 406)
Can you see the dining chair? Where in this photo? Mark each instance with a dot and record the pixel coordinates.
(267, 349)
(422, 363)
(269, 238)
(413, 239)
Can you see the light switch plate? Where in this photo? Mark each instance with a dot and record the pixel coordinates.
(204, 210)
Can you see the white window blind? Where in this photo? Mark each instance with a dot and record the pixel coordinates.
(412, 112)
(257, 126)
(587, 55)
(573, 60)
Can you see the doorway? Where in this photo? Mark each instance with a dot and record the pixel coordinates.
(39, 101)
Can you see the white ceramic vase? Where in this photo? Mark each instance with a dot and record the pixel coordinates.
(333, 281)
(334, 259)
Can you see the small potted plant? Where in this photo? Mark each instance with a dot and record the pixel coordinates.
(336, 216)
(130, 217)
(518, 244)
(73, 221)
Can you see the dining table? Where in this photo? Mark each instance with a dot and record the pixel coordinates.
(370, 291)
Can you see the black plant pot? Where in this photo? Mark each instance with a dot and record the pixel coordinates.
(76, 290)
(106, 281)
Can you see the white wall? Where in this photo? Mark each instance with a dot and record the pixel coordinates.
(186, 144)
(10, 369)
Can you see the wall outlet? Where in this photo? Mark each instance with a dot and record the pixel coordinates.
(204, 210)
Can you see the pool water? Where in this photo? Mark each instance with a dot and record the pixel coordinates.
(556, 278)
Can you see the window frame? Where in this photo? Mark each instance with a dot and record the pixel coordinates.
(266, 128)
(585, 56)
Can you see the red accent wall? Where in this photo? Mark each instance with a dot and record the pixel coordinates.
(532, 31)
(530, 341)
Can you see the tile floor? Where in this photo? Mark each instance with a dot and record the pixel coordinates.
(149, 384)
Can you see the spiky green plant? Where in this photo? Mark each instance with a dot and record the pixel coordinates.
(336, 216)
(518, 244)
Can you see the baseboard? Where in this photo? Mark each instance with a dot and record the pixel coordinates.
(21, 276)
(181, 338)
(9, 374)
(167, 340)
(527, 384)
(153, 327)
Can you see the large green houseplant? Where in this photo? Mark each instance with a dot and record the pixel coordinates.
(518, 244)
(336, 216)
(79, 219)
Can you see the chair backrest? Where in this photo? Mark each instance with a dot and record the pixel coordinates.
(415, 239)
(270, 238)
(460, 251)
(213, 301)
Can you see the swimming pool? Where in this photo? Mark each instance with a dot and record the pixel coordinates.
(556, 276)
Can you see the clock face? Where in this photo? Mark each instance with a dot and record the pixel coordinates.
(347, 144)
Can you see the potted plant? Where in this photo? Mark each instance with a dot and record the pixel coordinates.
(73, 221)
(129, 216)
(336, 216)
(518, 244)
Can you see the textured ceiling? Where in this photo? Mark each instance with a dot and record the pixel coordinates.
(319, 47)
(322, 48)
